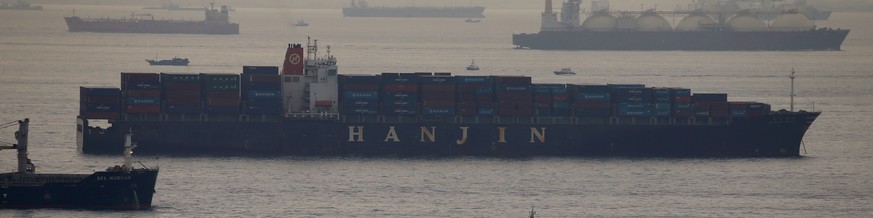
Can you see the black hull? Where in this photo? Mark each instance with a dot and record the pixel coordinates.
(821, 39)
(776, 135)
(101, 190)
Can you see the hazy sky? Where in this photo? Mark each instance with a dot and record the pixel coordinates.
(491, 4)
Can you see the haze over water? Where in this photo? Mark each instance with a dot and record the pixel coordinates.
(42, 67)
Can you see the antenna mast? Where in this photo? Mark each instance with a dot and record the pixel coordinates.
(792, 89)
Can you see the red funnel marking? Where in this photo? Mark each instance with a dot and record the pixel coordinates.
(293, 60)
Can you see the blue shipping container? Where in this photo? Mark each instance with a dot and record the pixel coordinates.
(438, 111)
(266, 70)
(486, 112)
(258, 94)
(593, 96)
(360, 95)
(474, 79)
(100, 91)
(143, 101)
(359, 79)
(679, 92)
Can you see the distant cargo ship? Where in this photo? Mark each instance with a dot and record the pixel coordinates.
(360, 9)
(119, 188)
(176, 61)
(648, 30)
(309, 108)
(217, 22)
(19, 5)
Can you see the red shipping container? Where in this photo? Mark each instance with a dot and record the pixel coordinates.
(183, 101)
(138, 77)
(592, 104)
(682, 99)
(560, 97)
(513, 80)
(360, 87)
(142, 93)
(684, 113)
(437, 103)
(191, 86)
(528, 97)
(145, 109)
(181, 94)
(466, 108)
(222, 101)
(223, 94)
(400, 88)
(426, 88)
(111, 100)
(438, 96)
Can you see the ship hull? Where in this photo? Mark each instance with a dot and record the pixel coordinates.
(455, 12)
(101, 190)
(821, 39)
(777, 135)
(76, 24)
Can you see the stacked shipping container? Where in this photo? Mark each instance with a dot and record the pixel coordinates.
(359, 94)
(100, 102)
(591, 100)
(261, 90)
(221, 93)
(142, 92)
(437, 95)
(475, 96)
(514, 96)
(182, 93)
(399, 94)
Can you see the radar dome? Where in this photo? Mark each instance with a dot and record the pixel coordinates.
(792, 22)
(694, 22)
(746, 22)
(600, 22)
(653, 22)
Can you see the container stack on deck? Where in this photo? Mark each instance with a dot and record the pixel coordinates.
(100, 102)
(142, 93)
(222, 93)
(258, 91)
(399, 94)
(359, 94)
(261, 90)
(591, 100)
(514, 96)
(182, 93)
(437, 95)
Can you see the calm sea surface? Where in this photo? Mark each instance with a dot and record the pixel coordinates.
(42, 66)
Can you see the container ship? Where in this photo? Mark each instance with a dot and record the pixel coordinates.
(216, 22)
(119, 187)
(310, 109)
(698, 30)
(360, 9)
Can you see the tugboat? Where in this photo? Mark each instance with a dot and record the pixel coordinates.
(176, 61)
(473, 65)
(119, 187)
(564, 71)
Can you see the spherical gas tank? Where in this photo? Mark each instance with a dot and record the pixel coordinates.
(694, 22)
(791, 22)
(627, 22)
(653, 22)
(600, 22)
(746, 23)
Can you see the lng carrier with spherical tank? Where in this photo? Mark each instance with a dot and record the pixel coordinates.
(697, 30)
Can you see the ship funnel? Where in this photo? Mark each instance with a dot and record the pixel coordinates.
(293, 60)
(548, 6)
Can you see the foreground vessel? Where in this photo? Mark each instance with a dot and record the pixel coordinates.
(360, 9)
(311, 109)
(119, 187)
(698, 30)
(216, 22)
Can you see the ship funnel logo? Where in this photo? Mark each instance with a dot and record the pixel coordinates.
(294, 59)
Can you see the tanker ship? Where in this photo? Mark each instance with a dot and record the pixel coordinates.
(119, 187)
(360, 9)
(698, 30)
(309, 108)
(216, 22)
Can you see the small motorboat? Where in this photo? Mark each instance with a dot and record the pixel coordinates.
(471, 20)
(473, 66)
(564, 71)
(301, 23)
